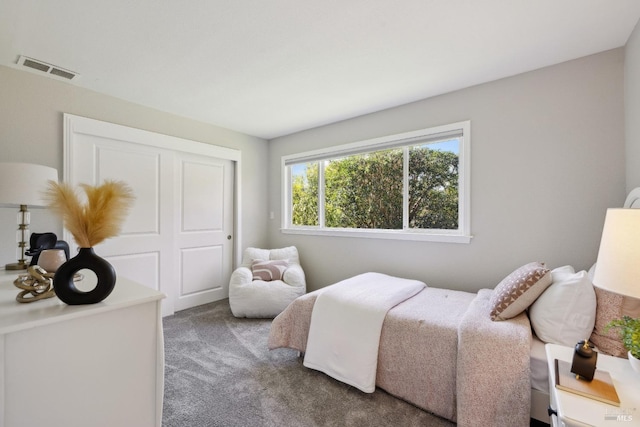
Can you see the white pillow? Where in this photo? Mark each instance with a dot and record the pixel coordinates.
(565, 313)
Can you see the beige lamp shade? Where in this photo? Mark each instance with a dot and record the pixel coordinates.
(24, 183)
(618, 265)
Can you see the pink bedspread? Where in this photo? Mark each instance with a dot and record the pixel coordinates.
(419, 355)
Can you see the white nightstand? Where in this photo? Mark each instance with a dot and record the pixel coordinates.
(574, 410)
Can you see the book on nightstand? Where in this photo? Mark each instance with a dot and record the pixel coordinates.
(600, 388)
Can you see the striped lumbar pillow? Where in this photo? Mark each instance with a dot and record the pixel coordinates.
(268, 270)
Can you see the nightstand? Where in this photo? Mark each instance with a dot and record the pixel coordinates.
(574, 410)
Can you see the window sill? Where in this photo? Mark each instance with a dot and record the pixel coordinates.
(381, 234)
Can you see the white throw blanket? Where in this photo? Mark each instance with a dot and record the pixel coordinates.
(346, 322)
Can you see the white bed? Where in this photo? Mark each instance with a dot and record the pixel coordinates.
(443, 325)
(439, 350)
(427, 329)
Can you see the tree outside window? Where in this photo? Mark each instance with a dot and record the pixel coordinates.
(365, 191)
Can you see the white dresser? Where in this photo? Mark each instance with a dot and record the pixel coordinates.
(88, 365)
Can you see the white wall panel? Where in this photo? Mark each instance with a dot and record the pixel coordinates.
(142, 268)
(201, 269)
(202, 196)
(141, 171)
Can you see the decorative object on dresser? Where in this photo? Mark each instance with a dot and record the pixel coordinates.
(21, 185)
(98, 219)
(52, 259)
(47, 254)
(37, 284)
(40, 243)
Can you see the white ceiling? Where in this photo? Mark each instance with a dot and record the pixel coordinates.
(273, 67)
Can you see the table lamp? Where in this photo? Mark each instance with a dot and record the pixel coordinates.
(618, 268)
(22, 185)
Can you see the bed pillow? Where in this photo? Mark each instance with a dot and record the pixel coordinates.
(268, 270)
(611, 306)
(516, 292)
(565, 313)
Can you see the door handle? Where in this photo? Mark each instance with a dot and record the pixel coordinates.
(229, 237)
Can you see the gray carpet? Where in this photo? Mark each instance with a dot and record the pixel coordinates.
(219, 372)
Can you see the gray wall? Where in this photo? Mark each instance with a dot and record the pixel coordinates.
(547, 159)
(632, 108)
(31, 109)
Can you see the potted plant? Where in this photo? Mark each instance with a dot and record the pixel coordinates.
(630, 334)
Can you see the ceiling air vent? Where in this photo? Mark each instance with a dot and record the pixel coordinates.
(52, 70)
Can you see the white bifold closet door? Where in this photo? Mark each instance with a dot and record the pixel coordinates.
(179, 236)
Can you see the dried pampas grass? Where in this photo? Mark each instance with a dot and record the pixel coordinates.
(101, 217)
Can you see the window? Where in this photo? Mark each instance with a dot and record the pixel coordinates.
(408, 186)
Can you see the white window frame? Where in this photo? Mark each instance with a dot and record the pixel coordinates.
(461, 235)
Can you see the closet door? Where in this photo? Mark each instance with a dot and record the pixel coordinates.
(204, 234)
(143, 250)
(178, 237)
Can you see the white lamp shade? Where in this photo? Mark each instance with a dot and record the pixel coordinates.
(618, 265)
(24, 183)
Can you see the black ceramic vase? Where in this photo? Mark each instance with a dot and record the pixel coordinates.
(65, 287)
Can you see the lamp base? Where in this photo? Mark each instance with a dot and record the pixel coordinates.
(16, 266)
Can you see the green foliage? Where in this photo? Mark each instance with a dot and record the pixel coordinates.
(629, 332)
(433, 189)
(304, 194)
(365, 191)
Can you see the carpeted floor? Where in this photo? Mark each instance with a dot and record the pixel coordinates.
(219, 372)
